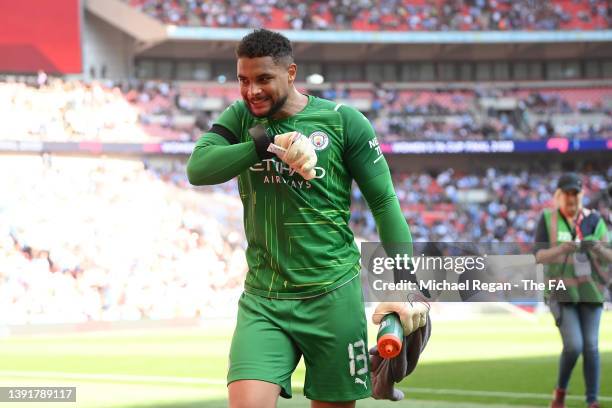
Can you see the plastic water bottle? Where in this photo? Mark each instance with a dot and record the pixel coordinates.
(390, 336)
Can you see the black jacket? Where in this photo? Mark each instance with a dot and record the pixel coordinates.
(386, 373)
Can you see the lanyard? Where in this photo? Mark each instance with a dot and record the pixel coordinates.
(576, 231)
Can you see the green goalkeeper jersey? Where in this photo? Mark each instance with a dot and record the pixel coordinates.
(299, 241)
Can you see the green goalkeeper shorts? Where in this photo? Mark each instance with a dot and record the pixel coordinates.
(329, 330)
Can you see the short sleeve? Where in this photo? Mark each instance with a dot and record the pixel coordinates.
(541, 234)
(601, 231)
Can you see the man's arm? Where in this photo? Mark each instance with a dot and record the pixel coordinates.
(219, 156)
(390, 222)
(214, 160)
(369, 168)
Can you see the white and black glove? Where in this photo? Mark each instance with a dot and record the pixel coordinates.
(297, 152)
(413, 315)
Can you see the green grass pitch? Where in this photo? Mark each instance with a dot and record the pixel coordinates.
(492, 361)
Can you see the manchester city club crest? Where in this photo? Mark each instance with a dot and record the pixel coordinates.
(319, 140)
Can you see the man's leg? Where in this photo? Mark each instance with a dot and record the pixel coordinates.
(253, 394)
(262, 356)
(323, 404)
(331, 332)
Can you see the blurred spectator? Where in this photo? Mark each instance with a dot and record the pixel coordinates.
(154, 111)
(383, 15)
(113, 241)
(122, 239)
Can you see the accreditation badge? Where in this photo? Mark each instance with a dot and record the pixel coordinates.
(582, 265)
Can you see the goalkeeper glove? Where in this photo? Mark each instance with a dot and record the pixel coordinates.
(413, 315)
(296, 150)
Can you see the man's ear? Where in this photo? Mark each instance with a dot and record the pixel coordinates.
(292, 71)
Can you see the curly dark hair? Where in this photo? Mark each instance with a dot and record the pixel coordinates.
(265, 43)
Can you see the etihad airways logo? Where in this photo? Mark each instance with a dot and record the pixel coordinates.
(277, 172)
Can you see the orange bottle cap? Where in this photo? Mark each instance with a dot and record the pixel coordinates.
(389, 346)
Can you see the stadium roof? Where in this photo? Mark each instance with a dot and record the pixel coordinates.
(394, 37)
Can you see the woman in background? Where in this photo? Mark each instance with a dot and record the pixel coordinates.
(578, 256)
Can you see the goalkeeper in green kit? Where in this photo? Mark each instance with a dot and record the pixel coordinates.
(295, 157)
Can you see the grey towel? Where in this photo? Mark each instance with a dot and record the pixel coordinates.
(386, 373)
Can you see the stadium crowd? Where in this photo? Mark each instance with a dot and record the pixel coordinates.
(389, 15)
(111, 241)
(115, 236)
(154, 111)
(496, 206)
(57, 110)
